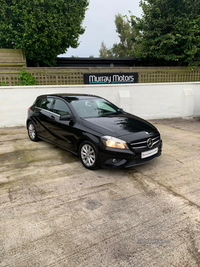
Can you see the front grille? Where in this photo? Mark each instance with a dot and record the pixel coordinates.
(143, 143)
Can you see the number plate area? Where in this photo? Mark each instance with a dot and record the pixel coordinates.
(149, 153)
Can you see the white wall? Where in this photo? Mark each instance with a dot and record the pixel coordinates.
(149, 101)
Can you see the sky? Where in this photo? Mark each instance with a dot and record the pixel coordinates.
(100, 26)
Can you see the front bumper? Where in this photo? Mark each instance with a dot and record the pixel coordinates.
(118, 158)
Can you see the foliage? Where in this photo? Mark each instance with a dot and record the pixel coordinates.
(26, 78)
(125, 47)
(103, 51)
(168, 32)
(3, 84)
(42, 28)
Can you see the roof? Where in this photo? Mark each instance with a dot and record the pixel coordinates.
(69, 96)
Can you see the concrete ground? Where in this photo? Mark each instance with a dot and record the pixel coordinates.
(54, 212)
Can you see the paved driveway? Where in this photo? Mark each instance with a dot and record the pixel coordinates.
(54, 212)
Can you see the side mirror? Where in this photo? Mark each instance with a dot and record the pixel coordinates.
(65, 117)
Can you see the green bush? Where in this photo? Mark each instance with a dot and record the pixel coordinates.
(3, 84)
(26, 78)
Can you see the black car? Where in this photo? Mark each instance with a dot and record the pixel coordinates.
(93, 128)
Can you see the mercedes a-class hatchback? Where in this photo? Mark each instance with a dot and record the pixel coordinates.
(94, 129)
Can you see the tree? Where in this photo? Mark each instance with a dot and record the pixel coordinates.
(42, 28)
(103, 51)
(125, 47)
(168, 32)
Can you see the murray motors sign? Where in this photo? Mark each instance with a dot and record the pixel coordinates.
(110, 78)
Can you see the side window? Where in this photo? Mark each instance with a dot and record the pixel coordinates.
(46, 103)
(39, 100)
(61, 108)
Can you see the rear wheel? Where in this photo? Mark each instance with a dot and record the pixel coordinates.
(89, 155)
(32, 133)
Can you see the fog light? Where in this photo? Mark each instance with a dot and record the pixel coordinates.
(115, 161)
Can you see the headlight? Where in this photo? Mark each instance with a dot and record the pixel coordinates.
(113, 142)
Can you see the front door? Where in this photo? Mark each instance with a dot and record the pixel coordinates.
(63, 131)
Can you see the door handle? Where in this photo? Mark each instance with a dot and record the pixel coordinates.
(52, 118)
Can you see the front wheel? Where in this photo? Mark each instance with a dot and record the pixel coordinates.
(32, 133)
(89, 156)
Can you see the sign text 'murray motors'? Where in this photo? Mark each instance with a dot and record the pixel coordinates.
(110, 78)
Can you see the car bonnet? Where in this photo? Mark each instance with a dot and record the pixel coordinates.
(121, 125)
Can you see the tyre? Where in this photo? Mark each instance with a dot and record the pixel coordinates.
(32, 133)
(89, 156)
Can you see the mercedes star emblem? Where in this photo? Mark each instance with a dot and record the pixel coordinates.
(149, 143)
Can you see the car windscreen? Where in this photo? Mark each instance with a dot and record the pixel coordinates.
(94, 107)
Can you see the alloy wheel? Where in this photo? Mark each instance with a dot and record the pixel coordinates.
(31, 130)
(88, 155)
